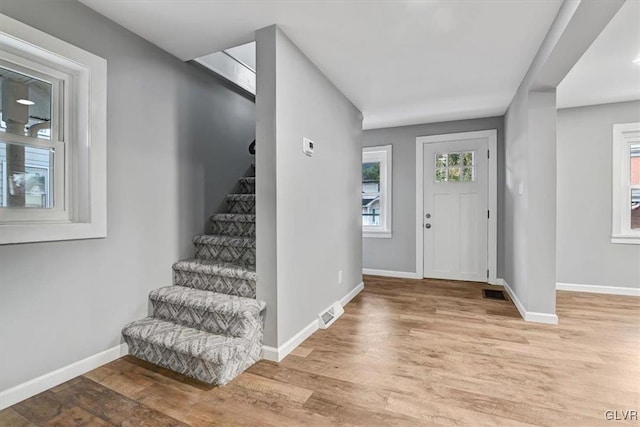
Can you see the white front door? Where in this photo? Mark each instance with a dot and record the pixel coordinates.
(455, 209)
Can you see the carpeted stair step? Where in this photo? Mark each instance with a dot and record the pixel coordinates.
(242, 203)
(237, 250)
(221, 277)
(233, 224)
(214, 359)
(248, 185)
(209, 311)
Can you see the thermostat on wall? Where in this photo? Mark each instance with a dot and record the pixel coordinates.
(307, 146)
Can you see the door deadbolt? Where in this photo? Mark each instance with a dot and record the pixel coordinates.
(428, 215)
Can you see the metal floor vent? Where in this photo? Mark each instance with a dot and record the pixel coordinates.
(330, 315)
(493, 294)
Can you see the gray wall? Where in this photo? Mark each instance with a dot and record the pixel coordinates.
(585, 252)
(530, 224)
(399, 252)
(266, 191)
(530, 157)
(316, 200)
(177, 142)
(515, 205)
(541, 190)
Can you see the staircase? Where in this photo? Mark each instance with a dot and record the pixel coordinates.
(209, 325)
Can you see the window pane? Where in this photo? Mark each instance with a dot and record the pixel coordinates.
(371, 177)
(467, 158)
(371, 193)
(635, 164)
(441, 160)
(371, 213)
(454, 159)
(441, 175)
(26, 174)
(468, 175)
(635, 209)
(454, 174)
(26, 105)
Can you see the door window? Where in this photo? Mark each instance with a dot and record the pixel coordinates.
(455, 167)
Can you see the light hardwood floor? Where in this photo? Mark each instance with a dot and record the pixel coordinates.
(404, 353)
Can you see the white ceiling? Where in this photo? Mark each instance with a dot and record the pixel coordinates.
(399, 62)
(606, 73)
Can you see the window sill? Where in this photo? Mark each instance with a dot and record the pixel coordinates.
(625, 239)
(376, 234)
(51, 232)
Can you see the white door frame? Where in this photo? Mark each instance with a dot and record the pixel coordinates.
(492, 238)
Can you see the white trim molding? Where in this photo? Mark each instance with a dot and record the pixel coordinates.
(377, 235)
(84, 74)
(624, 136)
(383, 155)
(491, 136)
(45, 382)
(352, 294)
(390, 273)
(278, 354)
(598, 289)
(528, 316)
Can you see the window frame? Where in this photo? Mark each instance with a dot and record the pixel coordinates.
(383, 155)
(60, 125)
(82, 137)
(624, 135)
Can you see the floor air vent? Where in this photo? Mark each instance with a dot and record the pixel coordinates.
(327, 317)
(493, 294)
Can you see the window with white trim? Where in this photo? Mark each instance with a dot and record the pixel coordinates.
(52, 138)
(376, 191)
(626, 184)
(32, 146)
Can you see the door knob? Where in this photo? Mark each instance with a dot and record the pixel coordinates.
(427, 225)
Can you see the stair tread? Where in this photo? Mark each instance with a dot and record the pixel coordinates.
(241, 197)
(207, 300)
(215, 239)
(219, 268)
(233, 217)
(218, 349)
(209, 325)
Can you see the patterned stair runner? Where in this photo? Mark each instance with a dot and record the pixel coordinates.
(209, 324)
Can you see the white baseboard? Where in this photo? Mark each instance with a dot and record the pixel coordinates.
(45, 382)
(278, 354)
(390, 273)
(598, 289)
(514, 298)
(550, 319)
(528, 316)
(352, 294)
(269, 353)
